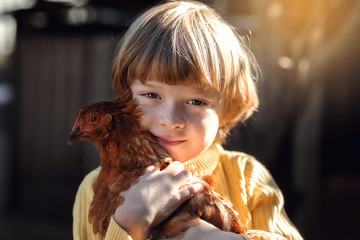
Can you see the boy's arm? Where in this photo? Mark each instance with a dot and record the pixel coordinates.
(114, 231)
(207, 231)
(266, 204)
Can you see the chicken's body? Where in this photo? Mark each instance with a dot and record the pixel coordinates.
(126, 151)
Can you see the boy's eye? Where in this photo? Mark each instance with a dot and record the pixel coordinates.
(196, 102)
(151, 95)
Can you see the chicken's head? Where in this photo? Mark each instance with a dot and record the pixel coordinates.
(89, 125)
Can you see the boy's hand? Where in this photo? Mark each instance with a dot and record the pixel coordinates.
(208, 231)
(154, 198)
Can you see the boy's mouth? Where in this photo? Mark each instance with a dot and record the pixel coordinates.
(169, 141)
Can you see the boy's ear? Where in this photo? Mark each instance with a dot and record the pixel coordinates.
(222, 122)
(223, 116)
(223, 119)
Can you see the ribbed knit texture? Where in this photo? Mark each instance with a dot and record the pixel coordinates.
(241, 178)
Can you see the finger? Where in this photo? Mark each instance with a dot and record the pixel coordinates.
(182, 177)
(177, 199)
(187, 193)
(174, 167)
(152, 168)
(194, 189)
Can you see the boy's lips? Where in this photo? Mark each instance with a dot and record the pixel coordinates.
(170, 141)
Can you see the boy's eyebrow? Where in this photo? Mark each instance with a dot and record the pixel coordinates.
(149, 84)
(212, 94)
(140, 83)
(208, 93)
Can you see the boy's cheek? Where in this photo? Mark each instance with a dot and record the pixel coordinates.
(143, 124)
(145, 121)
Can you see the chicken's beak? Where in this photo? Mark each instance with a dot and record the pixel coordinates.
(74, 135)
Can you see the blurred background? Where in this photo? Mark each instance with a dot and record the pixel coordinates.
(56, 56)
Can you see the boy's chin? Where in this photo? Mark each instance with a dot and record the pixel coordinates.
(180, 157)
(177, 157)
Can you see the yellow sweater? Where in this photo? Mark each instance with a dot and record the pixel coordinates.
(247, 183)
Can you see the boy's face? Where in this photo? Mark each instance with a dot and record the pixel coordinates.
(184, 119)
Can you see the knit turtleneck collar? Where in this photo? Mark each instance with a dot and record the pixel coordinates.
(207, 161)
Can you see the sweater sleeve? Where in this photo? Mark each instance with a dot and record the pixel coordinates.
(266, 205)
(82, 229)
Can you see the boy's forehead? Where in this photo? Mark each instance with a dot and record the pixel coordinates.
(187, 86)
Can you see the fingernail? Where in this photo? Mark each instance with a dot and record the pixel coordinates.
(177, 163)
(150, 168)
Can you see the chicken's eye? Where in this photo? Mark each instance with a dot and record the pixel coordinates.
(94, 118)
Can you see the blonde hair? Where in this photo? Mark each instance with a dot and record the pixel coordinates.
(186, 42)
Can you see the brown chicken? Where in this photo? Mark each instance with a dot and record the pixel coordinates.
(126, 151)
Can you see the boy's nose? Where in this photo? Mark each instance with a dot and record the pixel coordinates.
(172, 117)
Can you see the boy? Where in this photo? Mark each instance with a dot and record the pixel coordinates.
(194, 80)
